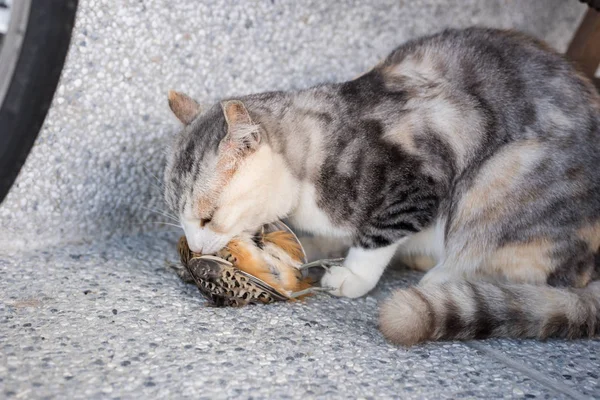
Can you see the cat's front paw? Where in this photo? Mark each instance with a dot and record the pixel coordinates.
(346, 283)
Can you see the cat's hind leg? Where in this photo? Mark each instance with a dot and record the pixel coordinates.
(419, 262)
(424, 249)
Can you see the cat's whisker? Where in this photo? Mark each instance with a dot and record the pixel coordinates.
(161, 189)
(170, 231)
(159, 185)
(167, 223)
(163, 213)
(159, 181)
(160, 223)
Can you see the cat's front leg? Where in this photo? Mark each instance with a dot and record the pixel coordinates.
(360, 273)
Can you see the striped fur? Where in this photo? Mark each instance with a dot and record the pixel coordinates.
(465, 310)
(471, 152)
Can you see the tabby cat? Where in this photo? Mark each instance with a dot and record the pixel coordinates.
(474, 153)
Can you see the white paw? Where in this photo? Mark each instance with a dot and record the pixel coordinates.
(345, 283)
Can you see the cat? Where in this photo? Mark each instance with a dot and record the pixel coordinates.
(473, 153)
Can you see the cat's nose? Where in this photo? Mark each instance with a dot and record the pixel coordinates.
(196, 249)
(199, 246)
(196, 244)
(204, 240)
(211, 246)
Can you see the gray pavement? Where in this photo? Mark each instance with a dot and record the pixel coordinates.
(88, 305)
(112, 321)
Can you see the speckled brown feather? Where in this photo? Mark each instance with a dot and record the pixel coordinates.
(223, 283)
(248, 257)
(260, 268)
(287, 242)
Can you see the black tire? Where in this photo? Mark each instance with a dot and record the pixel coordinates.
(33, 83)
(595, 4)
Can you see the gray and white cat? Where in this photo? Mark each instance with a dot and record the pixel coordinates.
(474, 153)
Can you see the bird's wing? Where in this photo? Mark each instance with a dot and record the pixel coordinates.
(206, 273)
(280, 226)
(262, 286)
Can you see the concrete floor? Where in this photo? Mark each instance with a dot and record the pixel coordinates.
(88, 305)
(112, 321)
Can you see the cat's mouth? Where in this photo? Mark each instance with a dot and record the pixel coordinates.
(210, 248)
(206, 242)
(203, 240)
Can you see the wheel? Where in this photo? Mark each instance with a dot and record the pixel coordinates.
(595, 4)
(34, 38)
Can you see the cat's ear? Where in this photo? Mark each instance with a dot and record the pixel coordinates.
(241, 130)
(183, 106)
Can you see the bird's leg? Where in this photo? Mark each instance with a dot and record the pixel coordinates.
(313, 272)
(310, 290)
(325, 263)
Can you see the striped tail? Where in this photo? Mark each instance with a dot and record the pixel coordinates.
(463, 310)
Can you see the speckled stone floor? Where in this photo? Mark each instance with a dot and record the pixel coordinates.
(88, 306)
(111, 320)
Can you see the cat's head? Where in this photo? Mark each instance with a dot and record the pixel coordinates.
(222, 178)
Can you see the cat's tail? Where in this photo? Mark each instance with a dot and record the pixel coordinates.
(464, 310)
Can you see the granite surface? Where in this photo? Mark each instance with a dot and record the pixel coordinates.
(89, 307)
(111, 320)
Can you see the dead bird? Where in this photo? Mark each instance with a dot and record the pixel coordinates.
(262, 268)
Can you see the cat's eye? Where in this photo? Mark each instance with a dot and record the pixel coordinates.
(204, 221)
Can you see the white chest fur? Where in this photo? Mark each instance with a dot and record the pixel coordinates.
(310, 218)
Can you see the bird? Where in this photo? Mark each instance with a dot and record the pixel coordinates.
(265, 267)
